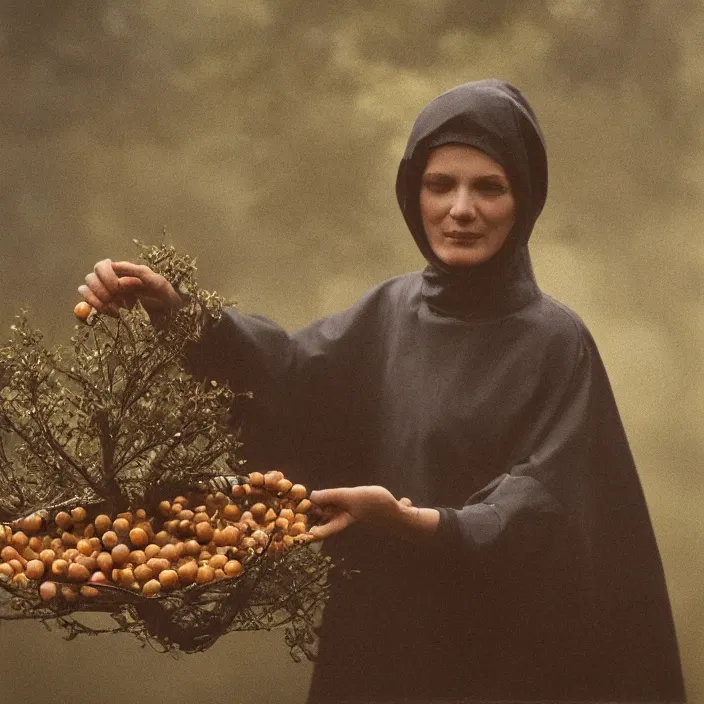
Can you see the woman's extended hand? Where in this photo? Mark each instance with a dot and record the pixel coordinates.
(371, 504)
(112, 285)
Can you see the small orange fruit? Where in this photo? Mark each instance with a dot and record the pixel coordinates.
(205, 574)
(139, 537)
(298, 492)
(82, 310)
(120, 554)
(79, 514)
(187, 572)
(232, 568)
(78, 573)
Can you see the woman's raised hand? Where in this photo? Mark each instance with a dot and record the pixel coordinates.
(114, 285)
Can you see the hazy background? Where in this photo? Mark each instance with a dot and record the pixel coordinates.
(265, 135)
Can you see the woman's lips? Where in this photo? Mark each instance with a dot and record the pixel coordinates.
(455, 235)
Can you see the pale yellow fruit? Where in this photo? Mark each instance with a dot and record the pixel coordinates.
(187, 572)
(158, 564)
(84, 547)
(192, 547)
(286, 513)
(256, 479)
(298, 492)
(168, 579)
(205, 574)
(59, 568)
(102, 523)
(110, 539)
(90, 563)
(20, 580)
(19, 540)
(169, 552)
(47, 591)
(303, 506)
(284, 486)
(217, 561)
(152, 550)
(152, 587)
(120, 554)
(79, 514)
(231, 512)
(121, 526)
(127, 577)
(78, 573)
(162, 538)
(297, 529)
(105, 562)
(69, 540)
(137, 557)
(63, 520)
(29, 554)
(232, 568)
(204, 532)
(9, 553)
(69, 593)
(258, 511)
(47, 557)
(143, 573)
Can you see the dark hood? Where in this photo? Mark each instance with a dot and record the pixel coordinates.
(494, 117)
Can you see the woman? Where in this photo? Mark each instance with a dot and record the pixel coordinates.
(520, 562)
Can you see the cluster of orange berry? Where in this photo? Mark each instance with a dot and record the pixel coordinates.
(210, 541)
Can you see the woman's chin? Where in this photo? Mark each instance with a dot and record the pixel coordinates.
(463, 258)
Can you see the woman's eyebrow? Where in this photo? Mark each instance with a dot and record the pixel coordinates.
(436, 174)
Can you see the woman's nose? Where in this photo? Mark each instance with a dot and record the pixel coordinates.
(463, 206)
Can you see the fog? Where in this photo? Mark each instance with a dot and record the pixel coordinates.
(264, 138)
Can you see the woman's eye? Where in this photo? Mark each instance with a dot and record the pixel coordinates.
(437, 186)
(493, 188)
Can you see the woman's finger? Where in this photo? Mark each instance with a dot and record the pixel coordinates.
(405, 502)
(323, 497)
(91, 298)
(155, 285)
(108, 278)
(335, 525)
(98, 289)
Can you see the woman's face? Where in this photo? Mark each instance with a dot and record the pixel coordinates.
(466, 205)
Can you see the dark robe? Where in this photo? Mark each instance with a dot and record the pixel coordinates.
(479, 395)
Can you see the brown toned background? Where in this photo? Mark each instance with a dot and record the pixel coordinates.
(265, 134)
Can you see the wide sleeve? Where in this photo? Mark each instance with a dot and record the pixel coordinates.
(521, 510)
(573, 514)
(255, 357)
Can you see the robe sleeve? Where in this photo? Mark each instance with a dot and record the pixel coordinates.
(254, 356)
(574, 513)
(521, 509)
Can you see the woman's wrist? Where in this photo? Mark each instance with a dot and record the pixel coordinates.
(413, 523)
